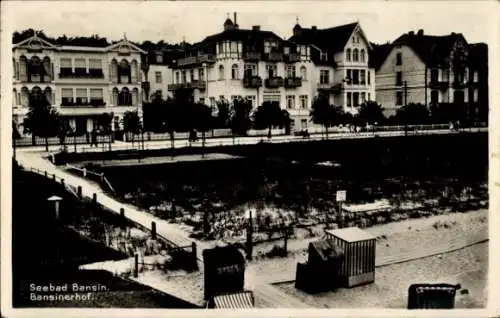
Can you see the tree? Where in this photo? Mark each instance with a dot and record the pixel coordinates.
(322, 113)
(448, 112)
(203, 121)
(223, 114)
(132, 123)
(240, 121)
(42, 119)
(412, 114)
(171, 119)
(268, 115)
(370, 113)
(286, 121)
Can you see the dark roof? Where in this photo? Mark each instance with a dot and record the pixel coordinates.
(431, 49)
(332, 38)
(246, 35)
(326, 249)
(222, 256)
(228, 22)
(378, 54)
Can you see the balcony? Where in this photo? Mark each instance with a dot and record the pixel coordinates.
(292, 58)
(459, 85)
(325, 86)
(252, 56)
(94, 103)
(293, 82)
(195, 60)
(201, 85)
(274, 56)
(252, 82)
(92, 73)
(274, 82)
(439, 84)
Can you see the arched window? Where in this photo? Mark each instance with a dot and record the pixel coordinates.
(135, 96)
(125, 97)
(48, 95)
(348, 55)
(303, 73)
(114, 97)
(47, 70)
(134, 71)
(355, 55)
(15, 101)
(363, 55)
(234, 72)
(221, 72)
(124, 72)
(35, 70)
(113, 71)
(35, 95)
(25, 95)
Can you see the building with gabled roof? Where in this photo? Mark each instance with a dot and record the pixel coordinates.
(435, 69)
(80, 82)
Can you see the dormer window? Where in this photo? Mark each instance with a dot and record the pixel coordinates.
(287, 50)
(324, 56)
(159, 58)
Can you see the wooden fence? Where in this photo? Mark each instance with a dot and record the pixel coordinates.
(51, 141)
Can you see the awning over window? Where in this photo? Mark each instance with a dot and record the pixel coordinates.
(235, 300)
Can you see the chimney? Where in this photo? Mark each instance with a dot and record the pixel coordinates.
(420, 32)
(256, 28)
(314, 27)
(234, 20)
(412, 33)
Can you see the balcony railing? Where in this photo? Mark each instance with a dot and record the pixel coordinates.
(275, 56)
(201, 85)
(459, 85)
(96, 73)
(92, 103)
(252, 82)
(192, 60)
(292, 58)
(439, 84)
(293, 82)
(274, 82)
(252, 56)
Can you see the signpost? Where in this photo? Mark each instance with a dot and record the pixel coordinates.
(341, 197)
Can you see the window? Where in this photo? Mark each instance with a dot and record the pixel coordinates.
(221, 72)
(475, 95)
(348, 55)
(363, 98)
(95, 67)
(290, 102)
(272, 70)
(159, 58)
(434, 75)
(234, 72)
(458, 97)
(66, 67)
(399, 58)
(201, 74)
(116, 122)
(363, 55)
(96, 96)
(355, 55)
(303, 102)
(286, 50)
(434, 97)
(362, 77)
(324, 76)
(221, 48)
(234, 47)
(446, 75)
(67, 96)
(125, 97)
(158, 77)
(250, 70)
(290, 71)
(399, 78)
(399, 98)
(369, 77)
(355, 77)
(80, 67)
(252, 99)
(303, 73)
(349, 99)
(303, 124)
(476, 76)
(81, 96)
(184, 78)
(324, 56)
(191, 75)
(349, 76)
(368, 98)
(355, 99)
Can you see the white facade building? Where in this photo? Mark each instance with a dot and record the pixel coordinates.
(81, 83)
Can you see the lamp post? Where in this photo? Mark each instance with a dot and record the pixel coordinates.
(56, 201)
(249, 247)
(405, 87)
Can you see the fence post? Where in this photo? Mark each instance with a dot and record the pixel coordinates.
(122, 212)
(84, 172)
(54, 176)
(62, 183)
(79, 191)
(153, 230)
(45, 173)
(94, 200)
(102, 177)
(194, 254)
(136, 265)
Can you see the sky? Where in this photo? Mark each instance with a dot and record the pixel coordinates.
(173, 21)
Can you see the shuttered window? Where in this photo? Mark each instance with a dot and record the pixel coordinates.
(67, 93)
(65, 63)
(95, 64)
(81, 96)
(80, 63)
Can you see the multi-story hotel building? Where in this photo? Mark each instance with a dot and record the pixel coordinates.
(260, 66)
(426, 69)
(80, 82)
